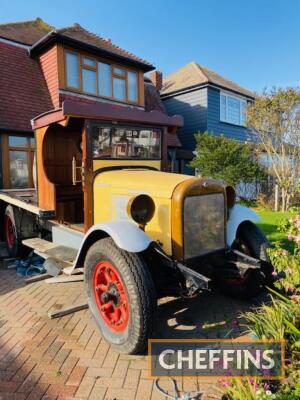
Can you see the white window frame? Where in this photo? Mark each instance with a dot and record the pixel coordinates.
(241, 100)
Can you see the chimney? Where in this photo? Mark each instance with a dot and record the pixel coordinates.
(157, 79)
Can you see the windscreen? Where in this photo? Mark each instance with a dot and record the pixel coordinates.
(111, 142)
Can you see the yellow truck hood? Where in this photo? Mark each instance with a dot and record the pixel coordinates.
(136, 181)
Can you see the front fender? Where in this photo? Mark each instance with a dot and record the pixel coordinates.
(127, 236)
(237, 215)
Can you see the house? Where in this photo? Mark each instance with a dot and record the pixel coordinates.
(207, 102)
(43, 69)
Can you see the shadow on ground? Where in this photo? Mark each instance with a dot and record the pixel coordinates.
(209, 315)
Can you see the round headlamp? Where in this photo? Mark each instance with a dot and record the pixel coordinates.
(141, 209)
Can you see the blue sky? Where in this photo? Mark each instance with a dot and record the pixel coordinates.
(255, 42)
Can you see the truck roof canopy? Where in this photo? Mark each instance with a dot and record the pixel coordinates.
(106, 112)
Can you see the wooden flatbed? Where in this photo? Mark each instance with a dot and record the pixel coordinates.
(27, 200)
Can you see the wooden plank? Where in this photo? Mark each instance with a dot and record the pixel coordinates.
(59, 310)
(39, 244)
(50, 249)
(65, 279)
(37, 278)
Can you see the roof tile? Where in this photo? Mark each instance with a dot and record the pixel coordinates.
(23, 93)
(194, 74)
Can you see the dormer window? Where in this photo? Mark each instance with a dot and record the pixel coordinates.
(98, 78)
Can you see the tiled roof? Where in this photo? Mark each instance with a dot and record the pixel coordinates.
(26, 32)
(23, 90)
(193, 74)
(31, 32)
(77, 32)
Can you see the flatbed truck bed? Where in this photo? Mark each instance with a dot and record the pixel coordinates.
(27, 200)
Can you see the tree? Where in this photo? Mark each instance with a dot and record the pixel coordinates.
(275, 120)
(222, 158)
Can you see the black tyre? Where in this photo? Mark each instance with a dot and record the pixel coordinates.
(121, 295)
(251, 241)
(10, 229)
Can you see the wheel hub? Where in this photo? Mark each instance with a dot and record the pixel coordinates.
(111, 297)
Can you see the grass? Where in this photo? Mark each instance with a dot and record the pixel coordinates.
(269, 223)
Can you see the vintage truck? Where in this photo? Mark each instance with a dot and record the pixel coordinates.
(137, 231)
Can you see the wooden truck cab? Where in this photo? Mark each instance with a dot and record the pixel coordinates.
(65, 163)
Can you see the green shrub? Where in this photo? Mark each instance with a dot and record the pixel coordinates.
(226, 159)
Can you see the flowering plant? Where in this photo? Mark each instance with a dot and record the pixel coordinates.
(247, 389)
(288, 261)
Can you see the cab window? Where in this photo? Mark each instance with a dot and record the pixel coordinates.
(126, 143)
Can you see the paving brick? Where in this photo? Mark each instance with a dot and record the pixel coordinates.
(109, 382)
(144, 390)
(120, 369)
(132, 378)
(98, 393)
(6, 386)
(99, 372)
(76, 376)
(90, 362)
(61, 390)
(120, 394)
(38, 391)
(85, 387)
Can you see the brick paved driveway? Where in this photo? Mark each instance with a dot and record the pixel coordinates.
(67, 359)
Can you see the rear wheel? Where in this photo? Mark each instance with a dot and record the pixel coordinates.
(251, 241)
(121, 296)
(14, 247)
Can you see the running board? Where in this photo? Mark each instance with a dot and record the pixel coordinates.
(57, 257)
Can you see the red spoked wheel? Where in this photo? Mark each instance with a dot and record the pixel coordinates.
(9, 231)
(111, 296)
(121, 295)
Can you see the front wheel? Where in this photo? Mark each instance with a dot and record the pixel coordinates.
(121, 296)
(251, 241)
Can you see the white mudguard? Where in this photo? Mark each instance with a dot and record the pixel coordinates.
(237, 215)
(127, 236)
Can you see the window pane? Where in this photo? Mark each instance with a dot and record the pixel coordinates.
(243, 113)
(72, 61)
(101, 142)
(233, 110)
(104, 79)
(18, 169)
(132, 86)
(135, 143)
(119, 88)
(223, 108)
(89, 82)
(17, 141)
(119, 71)
(89, 61)
(32, 142)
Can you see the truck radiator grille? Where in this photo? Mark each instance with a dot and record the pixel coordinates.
(204, 224)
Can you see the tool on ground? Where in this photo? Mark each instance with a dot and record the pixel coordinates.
(183, 396)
